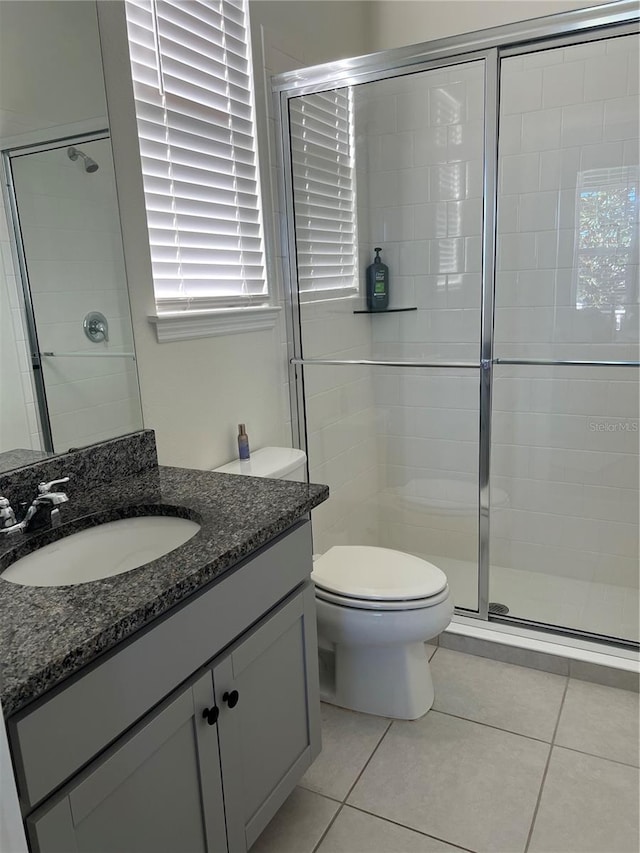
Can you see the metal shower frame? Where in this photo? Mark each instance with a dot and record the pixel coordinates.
(490, 46)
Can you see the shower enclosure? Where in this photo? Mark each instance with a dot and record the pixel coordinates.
(64, 220)
(488, 420)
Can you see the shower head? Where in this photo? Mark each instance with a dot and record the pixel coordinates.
(90, 165)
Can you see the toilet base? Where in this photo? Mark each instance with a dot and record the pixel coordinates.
(389, 681)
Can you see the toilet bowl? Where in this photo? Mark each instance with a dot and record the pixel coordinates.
(376, 609)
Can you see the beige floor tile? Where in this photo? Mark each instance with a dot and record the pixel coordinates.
(356, 832)
(588, 805)
(514, 698)
(299, 824)
(601, 720)
(348, 739)
(456, 780)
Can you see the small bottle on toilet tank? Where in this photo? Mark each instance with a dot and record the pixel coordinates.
(243, 442)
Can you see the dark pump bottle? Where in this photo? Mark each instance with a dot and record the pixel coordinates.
(377, 284)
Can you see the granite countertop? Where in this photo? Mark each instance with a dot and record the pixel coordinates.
(49, 633)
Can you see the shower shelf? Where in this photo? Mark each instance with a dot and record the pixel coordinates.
(384, 310)
(88, 354)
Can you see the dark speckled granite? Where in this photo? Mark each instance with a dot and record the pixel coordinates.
(47, 634)
(88, 467)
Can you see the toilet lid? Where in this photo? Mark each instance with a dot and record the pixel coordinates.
(380, 574)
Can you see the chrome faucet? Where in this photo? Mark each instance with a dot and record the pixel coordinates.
(45, 498)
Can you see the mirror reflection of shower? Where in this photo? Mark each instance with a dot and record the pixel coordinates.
(90, 164)
(79, 348)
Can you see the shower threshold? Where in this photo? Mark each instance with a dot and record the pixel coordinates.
(583, 659)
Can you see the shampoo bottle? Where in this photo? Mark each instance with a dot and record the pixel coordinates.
(377, 284)
(243, 442)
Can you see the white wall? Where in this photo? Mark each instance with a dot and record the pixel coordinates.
(395, 23)
(50, 71)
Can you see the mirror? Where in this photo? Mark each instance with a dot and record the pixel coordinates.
(67, 365)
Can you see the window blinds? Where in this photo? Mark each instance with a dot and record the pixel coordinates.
(190, 64)
(322, 148)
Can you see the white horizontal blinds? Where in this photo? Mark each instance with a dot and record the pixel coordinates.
(322, 149)
(191, 75)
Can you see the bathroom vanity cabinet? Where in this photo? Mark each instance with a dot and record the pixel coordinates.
(192, 735)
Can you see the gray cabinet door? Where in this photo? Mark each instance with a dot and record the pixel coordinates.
(158, 789)
(272, 734)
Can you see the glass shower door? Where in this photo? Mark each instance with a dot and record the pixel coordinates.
(391, 397)
(564, 543)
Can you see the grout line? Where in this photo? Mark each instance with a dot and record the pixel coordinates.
(596, 755)
(410, 828)
(319, 793)
(343, 802)
(368, 761)
(489, 726)
(328, 827)
(546, 769)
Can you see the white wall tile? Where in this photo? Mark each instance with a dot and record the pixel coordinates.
(621, 118)
(519, 173)
(541, 130)
(605, 77)
(520, 90)
(582, 124)
(538, 211)
(563, 84)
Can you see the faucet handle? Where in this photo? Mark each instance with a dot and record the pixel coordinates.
(45, 488)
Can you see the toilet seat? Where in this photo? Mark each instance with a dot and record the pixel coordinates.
(381, 605)
(377, 578)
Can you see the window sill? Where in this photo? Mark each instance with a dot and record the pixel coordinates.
(185, 325)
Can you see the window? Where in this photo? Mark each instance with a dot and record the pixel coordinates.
(606, 245)
(323, 157)
(195, 115)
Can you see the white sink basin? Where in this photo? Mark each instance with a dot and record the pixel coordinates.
(102, 551)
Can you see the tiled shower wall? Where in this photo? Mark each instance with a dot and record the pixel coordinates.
(71, 233)
(566, 439)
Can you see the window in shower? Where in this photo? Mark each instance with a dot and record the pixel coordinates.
(606, 241)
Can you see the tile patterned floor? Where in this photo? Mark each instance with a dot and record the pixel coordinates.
(509, 760)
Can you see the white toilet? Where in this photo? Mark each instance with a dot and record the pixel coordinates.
(376, 609)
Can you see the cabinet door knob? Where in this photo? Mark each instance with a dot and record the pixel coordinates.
(211, 715)
(231, 698)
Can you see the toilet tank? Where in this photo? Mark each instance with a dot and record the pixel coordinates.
(284, 463)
